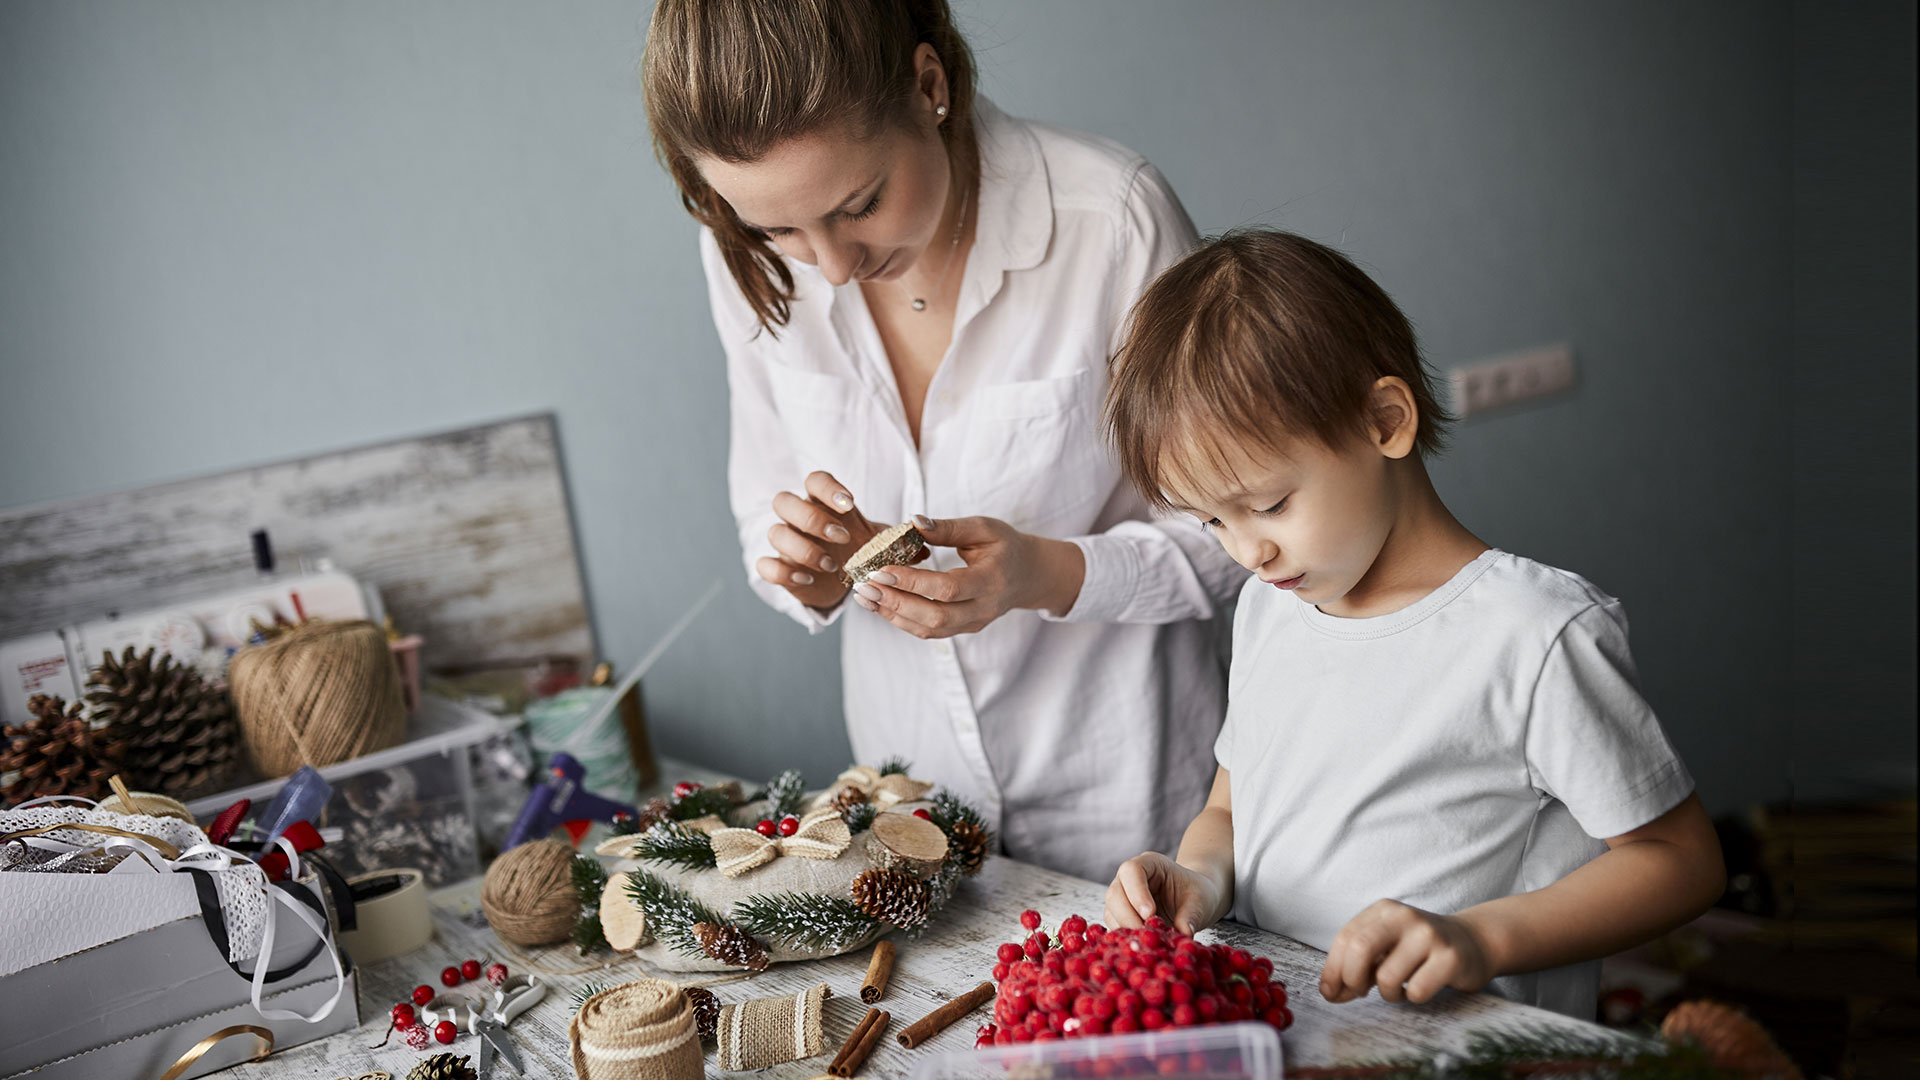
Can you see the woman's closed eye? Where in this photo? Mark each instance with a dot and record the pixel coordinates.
(865, 212)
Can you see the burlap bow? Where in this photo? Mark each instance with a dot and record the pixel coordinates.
(883, 791)
(822, 835)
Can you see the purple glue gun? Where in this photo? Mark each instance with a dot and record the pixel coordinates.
(560, 800)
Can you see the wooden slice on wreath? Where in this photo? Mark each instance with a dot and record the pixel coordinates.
(899, 841)
(621, 920)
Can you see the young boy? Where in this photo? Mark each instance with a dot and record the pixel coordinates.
(1424, 734)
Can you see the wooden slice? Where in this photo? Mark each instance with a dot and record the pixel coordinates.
(621, 920)
(900, 841)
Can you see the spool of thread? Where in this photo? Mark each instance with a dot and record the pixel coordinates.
(320, 693)
(150, 803)
(390, 915)
(642, 1030)
(557, 723)
(528, 893)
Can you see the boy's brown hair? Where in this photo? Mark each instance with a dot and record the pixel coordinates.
(1255, 337)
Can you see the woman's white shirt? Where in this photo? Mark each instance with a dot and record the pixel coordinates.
(1085, 739)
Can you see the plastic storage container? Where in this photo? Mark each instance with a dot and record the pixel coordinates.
(1245, 1051)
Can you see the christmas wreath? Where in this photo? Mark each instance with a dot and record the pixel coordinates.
(712, 880)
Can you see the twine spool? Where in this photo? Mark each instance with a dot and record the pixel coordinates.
(642, 1030)
(320, 693)
(528, 893)
(151, 804)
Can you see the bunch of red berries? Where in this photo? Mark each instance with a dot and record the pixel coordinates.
(1090, 980)
(407, 1021)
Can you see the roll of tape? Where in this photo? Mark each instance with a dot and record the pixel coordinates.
(390, 910)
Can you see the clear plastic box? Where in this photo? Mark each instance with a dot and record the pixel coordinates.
(1244, 1051)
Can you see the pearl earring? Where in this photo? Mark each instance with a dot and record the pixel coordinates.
(940, 111)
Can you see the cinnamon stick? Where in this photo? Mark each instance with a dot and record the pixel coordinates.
(862, 1049)
(879, 970)
(939, 1019)
(853, 1040)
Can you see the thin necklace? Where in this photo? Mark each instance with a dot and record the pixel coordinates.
(959, 226)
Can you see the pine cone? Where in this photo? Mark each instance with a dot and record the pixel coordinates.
(179, 731)
(56, 753)
(969, 846)
(655, 811)
(706, 1011)
(893, 896)
(443, 1067)
(1732, 1040)
(848, 797)
(731, 945)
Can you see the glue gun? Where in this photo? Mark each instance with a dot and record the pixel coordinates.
(560, 799)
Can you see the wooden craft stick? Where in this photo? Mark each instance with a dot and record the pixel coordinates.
(864, 1049)
(938, 1020)
(879, 969)
(853, 1040)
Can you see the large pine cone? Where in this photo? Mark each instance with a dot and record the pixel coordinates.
(443, 1067)
(731, 945)
(56, 753)
(893, 896)
(179, 731)
(969, 846)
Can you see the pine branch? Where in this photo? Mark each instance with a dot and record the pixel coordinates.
(894, 765)
(859, 818)
(581, 995)
(624, 825)
(589, 880)
(947, 810)
(785, 792)
(828, 924)
(587, 934)
(675, 844)
(701, 803)
(940, 889)
(670, 912)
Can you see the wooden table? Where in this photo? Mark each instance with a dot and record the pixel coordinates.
(952, 957)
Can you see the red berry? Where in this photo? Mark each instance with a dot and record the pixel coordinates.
(1000, 972)
(1071, 941)
(1073, 924)
(1009, 953)
(417, 1037)
(1128, 1003)
(984, 1036)
(923, 814)
(1153, 992)
(450, 976)
(1102, 1007)
(684, 788)
(1123, 1023)
(1280, 1017)
(1153, 1019)
(765, 827)
(1155, 922)
(1208, 1006)
(1185, 1016)
(1037, 944)
(1077, 967)
(470, 969)
(403, 1015)
(789, 825)
(422, 994)
(496, 973)
(445, 1032)
(1095, 932)
(1003, 1037)
(1030, 919)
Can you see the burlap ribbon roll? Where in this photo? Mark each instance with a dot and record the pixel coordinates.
(769, 1031)
(320, 693)
(528, 895)
(641, 1030)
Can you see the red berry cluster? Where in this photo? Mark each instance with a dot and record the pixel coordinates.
(1092, 981)
(407, 1021)
(770, 828)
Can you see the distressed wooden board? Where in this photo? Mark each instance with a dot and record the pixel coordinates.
(466, 533)
(955, 955)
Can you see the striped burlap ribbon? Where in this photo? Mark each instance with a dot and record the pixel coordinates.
(822, 835)
(770, 1031)
(642, 1030)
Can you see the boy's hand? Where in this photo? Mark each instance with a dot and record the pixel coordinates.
(1152, 884)
(1409, 953)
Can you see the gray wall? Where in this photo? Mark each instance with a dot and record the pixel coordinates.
(233, 232)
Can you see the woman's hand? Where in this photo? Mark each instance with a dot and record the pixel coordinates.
(813, 539)
(1152, 884)
(1409, 953)
(1005, 569)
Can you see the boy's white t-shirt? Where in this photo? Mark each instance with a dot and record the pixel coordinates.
(1470, 746)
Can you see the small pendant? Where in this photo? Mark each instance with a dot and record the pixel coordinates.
(919, 304)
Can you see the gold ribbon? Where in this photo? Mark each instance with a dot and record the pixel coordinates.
(822, 835)
(883, 791)
(187, 1059)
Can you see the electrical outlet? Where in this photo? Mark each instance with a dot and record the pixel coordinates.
(1509, 380)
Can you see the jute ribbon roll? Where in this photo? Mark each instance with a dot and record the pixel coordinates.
(641, 1030)
(769, 1031)
(528, 893)
(320, 693)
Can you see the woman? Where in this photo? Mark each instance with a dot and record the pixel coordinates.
(917, 295)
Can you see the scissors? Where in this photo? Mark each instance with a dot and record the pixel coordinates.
(510, 999)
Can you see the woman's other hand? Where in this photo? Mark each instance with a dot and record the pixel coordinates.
(812, 540)
(1005, 569)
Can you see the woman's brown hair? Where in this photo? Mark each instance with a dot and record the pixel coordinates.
(1255, 337)
(730, 79)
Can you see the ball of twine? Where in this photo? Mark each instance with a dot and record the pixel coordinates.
(528, 893)
(320, 693)
(642, 1030)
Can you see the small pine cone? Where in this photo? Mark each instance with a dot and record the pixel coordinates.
(655, 811)
(443, 1067)
(731, 945)
(58, 752)
(969, 846)
(848, 797)
(706, 1011)
(893, 896)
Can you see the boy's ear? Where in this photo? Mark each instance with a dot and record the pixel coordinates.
(1395, 416)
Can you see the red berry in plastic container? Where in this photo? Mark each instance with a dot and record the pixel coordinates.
(496, 973)
(1000, 972)
(1155, 922)
(1095, 931)
(444, 1032)
(1009, 953)
(470, 969)
(422, 994)
(417, 1037)
(765, 827)
(1185, 1016)
(789, 825)
(1030, 919)
(1037, 944)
